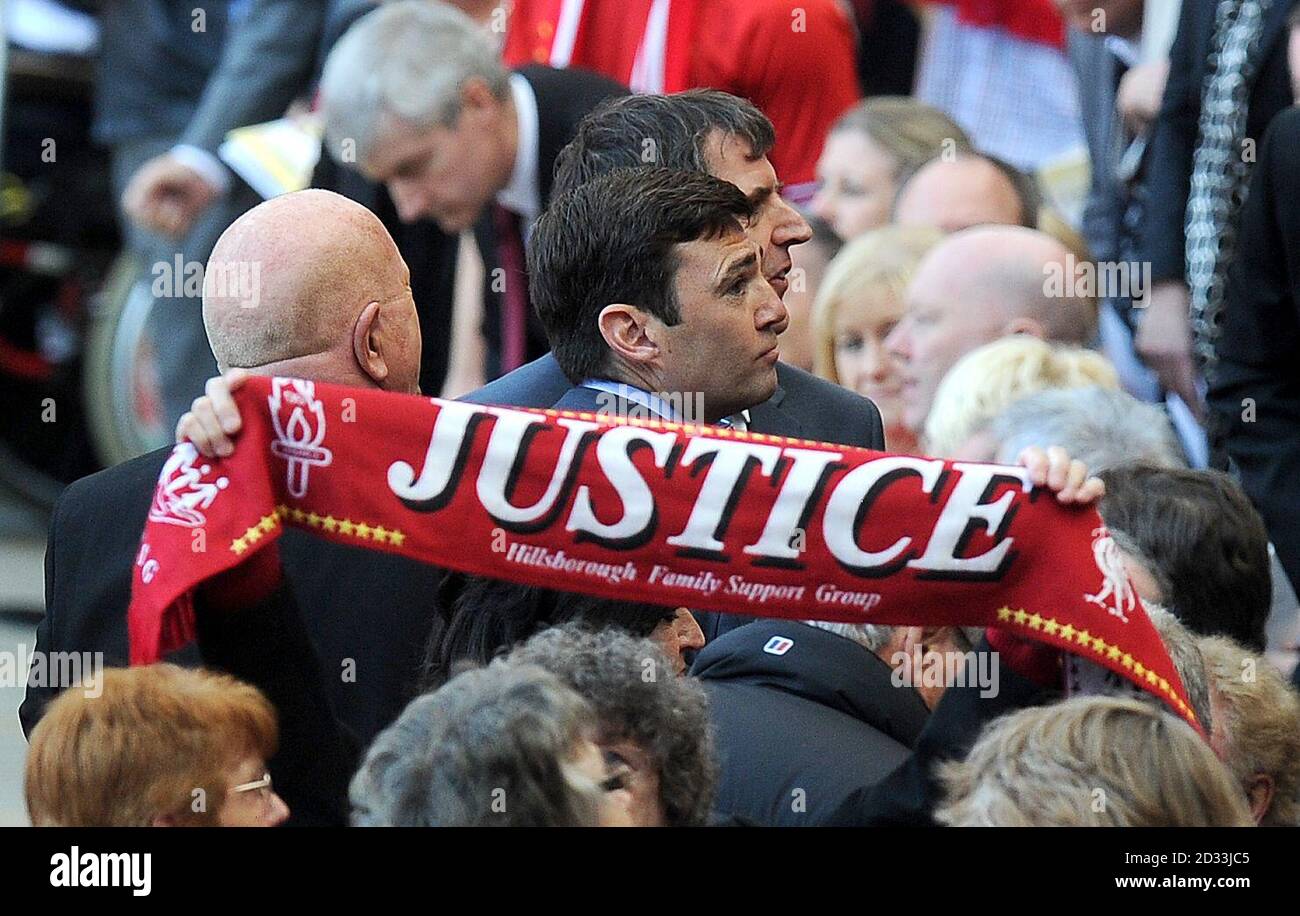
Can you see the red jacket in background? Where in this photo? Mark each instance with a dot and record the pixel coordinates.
(1033, 20)
(795, 61)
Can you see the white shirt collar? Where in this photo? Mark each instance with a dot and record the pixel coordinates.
(1127, 52)
(523, 195)
(657, 405)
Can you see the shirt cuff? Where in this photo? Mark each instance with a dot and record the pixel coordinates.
(207, 165)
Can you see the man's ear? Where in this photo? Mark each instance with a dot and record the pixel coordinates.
(1259, 793)
(1025, 325)
(625, 330)
(476, 98)
(367, 346)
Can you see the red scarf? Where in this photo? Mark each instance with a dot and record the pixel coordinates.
(657, 512)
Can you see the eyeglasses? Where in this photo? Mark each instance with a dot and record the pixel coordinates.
(261, 786)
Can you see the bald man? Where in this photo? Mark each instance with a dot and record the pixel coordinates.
(309, 284)
(973, 287)
(964, 191)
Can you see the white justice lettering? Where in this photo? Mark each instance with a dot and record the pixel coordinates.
(778, 537)
(852, 499)
(964, 506)
(613, 452)
(446, 444)
(716, 495)
(504, 451)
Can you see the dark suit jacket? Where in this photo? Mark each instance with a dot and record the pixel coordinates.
(1255, 391)
(1098, 71)
(268, 645)
(370, 607)
(1173, 143)
(803, 407)
(564, 97)
(799, 733)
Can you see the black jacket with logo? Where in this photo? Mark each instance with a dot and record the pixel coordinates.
(801, 731)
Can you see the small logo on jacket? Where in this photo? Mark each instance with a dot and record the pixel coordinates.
(778, 645)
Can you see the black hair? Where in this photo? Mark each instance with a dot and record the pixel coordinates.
(491, 616)
(667, 131)
(612, 240)
(1205, 540)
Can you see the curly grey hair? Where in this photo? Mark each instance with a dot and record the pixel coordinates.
(637, 698)
(492, 747)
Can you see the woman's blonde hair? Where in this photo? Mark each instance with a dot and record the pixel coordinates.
(1259, 716)
(1091, 762)
(989, 379)
(157, 741)
(911, 132)
(877, 264)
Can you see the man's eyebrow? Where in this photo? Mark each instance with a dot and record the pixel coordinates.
(406, 168)
(737, 268)
(759, 196)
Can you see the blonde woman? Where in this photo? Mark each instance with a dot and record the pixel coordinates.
(1255, 729)
(860, 300)
(1048, 766)
(991, 378)
(873, 148)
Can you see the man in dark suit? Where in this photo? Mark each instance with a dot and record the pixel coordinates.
(652, 295)
(334, 305)
(1180, 138)
(627, 337)
(718, 134)
(721, 135)
(1255, 391)
(271, 59)
(415, 96)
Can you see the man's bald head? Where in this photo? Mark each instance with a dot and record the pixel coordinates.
(288, 282)
(978, 285)
(966, 190)
(1004, 271)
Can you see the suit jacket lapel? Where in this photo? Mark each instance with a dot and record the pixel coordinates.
(553, 131)
(773, 418)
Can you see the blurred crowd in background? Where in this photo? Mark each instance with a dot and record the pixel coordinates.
(1008, 224)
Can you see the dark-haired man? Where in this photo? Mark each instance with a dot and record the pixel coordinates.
(1203, 545)
(633, 271)
(706, 132)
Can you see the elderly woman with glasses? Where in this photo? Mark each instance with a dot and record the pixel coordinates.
(157, 746)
